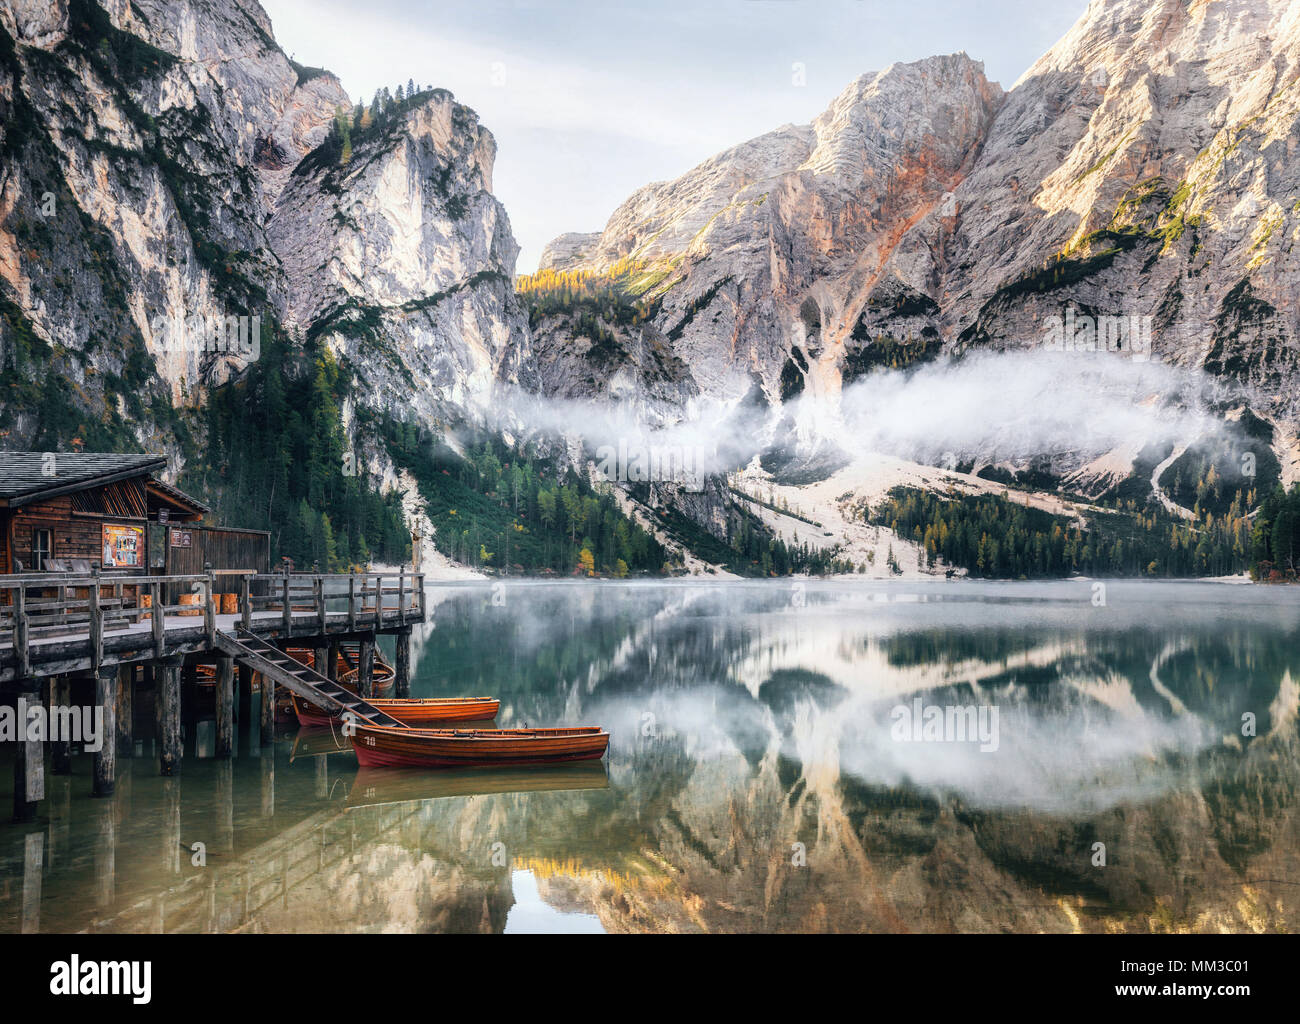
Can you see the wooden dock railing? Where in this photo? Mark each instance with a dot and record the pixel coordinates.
(83, 610)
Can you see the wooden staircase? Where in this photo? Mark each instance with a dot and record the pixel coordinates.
(260, 656)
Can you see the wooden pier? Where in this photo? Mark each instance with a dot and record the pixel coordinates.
(121, 631)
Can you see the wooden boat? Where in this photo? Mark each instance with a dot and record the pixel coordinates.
(418, 712)
(380, 746)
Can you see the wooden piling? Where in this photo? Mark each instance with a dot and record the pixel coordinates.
(245, 689)
(402, 668)
(268, 712)
(60, 749)
(126, 711)
(321, 658)
(105, 770)
(366, 667)
(168, 699)
(225, 705)
(189, 692)
(333, 662)
(29, 761)
(267, 765)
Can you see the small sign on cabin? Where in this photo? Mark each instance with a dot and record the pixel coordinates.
(123, 546)
(182, 538)
(162, 515)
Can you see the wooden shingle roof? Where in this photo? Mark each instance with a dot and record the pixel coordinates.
(28, 476)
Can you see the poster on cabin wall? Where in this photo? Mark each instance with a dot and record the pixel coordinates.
(123, 546)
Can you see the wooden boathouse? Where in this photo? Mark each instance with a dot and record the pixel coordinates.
(109, 580)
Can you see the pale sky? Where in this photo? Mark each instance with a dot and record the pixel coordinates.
(591, 99)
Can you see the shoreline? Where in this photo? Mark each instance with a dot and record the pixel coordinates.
(850, 578)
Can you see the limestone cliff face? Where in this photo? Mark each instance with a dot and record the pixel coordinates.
(167, 161)
(762, 257)
(135, 189)
(403, 261)
(1143, 167)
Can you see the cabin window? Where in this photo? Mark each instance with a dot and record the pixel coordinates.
(40, 549)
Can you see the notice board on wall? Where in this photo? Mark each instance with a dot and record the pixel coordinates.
(123, 546)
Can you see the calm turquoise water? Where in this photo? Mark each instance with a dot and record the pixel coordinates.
(1131, 763)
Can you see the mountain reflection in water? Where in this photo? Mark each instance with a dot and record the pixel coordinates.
(757, 779)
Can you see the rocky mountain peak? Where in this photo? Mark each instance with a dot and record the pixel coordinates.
(400, 256)
(775, 244)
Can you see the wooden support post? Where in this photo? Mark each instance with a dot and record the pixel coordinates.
(352, 601)
(209, 613)
(225, 705)
(246, 601)
(168, 699)
(366, 666)
(318, 592)
(125, 711)
(20, 630)
(402, 668)
(333, 663)
(287, 607)
(29, 759)
(268, 783)
(96, 624)
(245, 698)
(157, 614)
(105, 770)
(159, 687)
(60, 749)
(267, 712)
(401, 594)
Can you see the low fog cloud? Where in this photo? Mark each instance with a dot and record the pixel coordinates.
(993, 406)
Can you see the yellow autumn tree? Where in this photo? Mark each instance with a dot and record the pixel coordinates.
(587, 562)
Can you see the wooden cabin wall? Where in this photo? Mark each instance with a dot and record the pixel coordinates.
(72, 535)
(4, 541)
(222, 549)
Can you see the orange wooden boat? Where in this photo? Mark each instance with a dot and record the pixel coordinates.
(380, 746)
(418, 712)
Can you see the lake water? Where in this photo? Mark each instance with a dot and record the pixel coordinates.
(784, 757)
